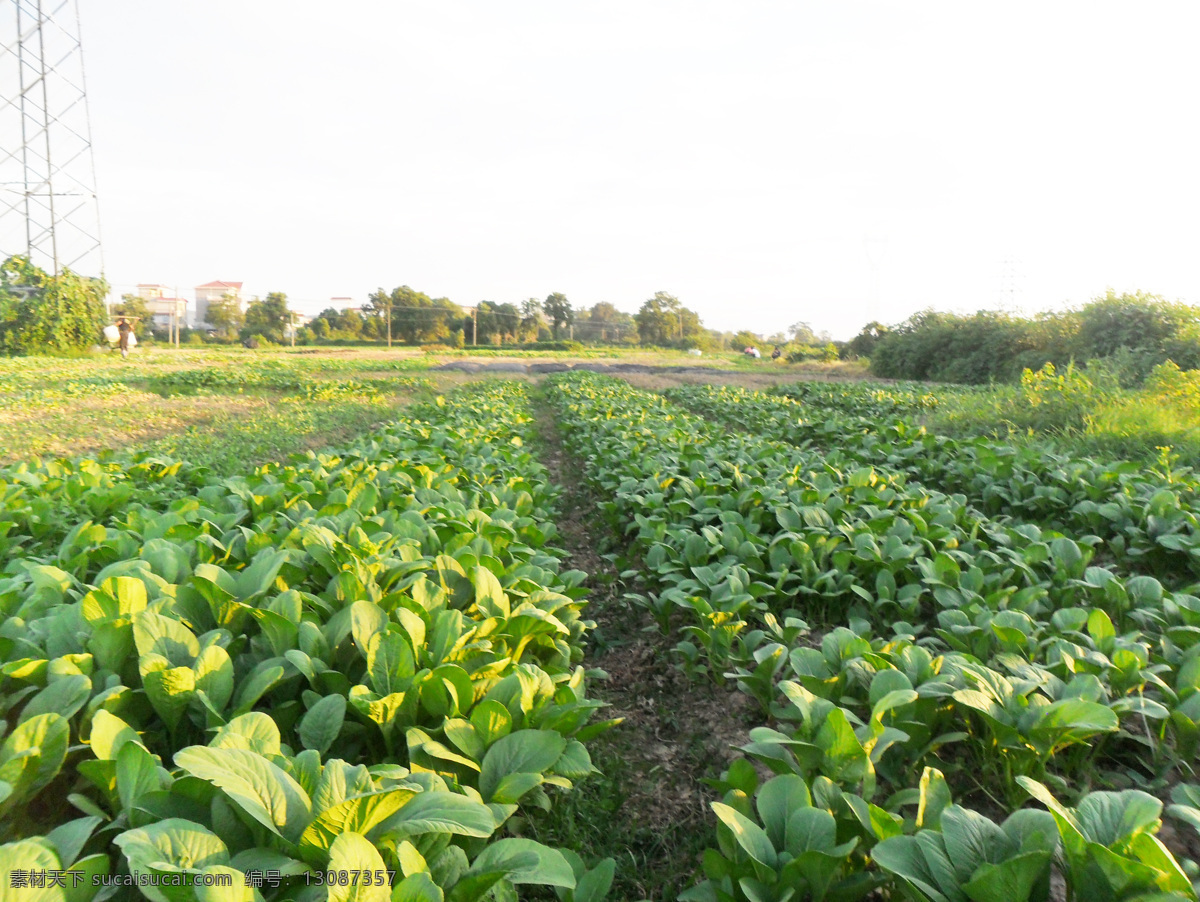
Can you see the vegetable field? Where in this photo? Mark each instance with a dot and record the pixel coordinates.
(368, 674)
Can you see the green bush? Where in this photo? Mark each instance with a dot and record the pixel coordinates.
(60, 314)
(1130, 333)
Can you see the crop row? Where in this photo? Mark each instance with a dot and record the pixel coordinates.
(1146, 518)
(948, 655)
(358, 664)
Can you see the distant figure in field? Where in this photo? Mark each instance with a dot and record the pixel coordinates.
(777, 353)
(124, 329)
(752, 352)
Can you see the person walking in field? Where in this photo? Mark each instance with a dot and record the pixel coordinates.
(124, 329)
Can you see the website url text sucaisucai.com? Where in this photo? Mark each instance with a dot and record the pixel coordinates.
(48, 879)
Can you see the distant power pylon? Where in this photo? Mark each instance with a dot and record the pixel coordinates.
(48, 208)
(1010, 285)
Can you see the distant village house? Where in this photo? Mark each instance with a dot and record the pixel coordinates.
(214, 292)
(163, 305)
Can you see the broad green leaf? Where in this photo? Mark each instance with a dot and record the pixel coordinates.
(321, 725)
(360, 814)
(26, 855)
(137, 774)
(777, 800)
(259, 787)
(490, 597)
(338, 782)
(255, 732)
(116, 596)
(513, 787)
(971, 840)
(261, 680)
(1012, 880)
(390, 663)
(155, 634)
(258, 577)
(1071, 720)
(1111, 817)
(108, 734)
(352, 852)
(810, 830)
(441, 812)
(44, 740)
(526, 751)
(935, 796)
(492, 720)
(170, 692)
(367, 621)
(70, 838)
(65, 696)
(214, 675)
(417, 888)
(223, 884)
(594, 885)
(90, 870)
(751, 837)
(524, 861)
(923, 865)
(177, 842)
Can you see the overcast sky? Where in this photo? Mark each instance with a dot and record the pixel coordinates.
(766, 162)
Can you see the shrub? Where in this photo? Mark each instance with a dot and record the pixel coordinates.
(53, 314)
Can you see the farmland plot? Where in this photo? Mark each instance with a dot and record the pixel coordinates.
(341, 677)
(908, 653)
(1144, 519)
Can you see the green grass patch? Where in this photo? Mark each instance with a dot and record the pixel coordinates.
(233, 440)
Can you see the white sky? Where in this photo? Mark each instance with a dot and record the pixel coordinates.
(750, 157)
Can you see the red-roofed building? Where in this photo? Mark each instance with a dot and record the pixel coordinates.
(215, 291)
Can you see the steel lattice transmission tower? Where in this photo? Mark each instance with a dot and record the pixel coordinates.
(48, 208)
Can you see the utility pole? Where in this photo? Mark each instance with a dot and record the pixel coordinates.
(389, 320)
(475, 325)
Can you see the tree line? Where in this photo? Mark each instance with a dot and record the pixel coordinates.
(1130, 334)
(410, 317)
(42, 313)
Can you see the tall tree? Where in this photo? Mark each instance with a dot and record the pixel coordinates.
(558, 308)
(498, 322)
(664, 322)
(417, 318)
(268, 318)
(531, 319)
(802, 333)
(380, 305)
(606, 323)
(225, 316)
(658, 320)
(865, 341)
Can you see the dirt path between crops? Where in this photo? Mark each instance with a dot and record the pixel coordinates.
(649, 810)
